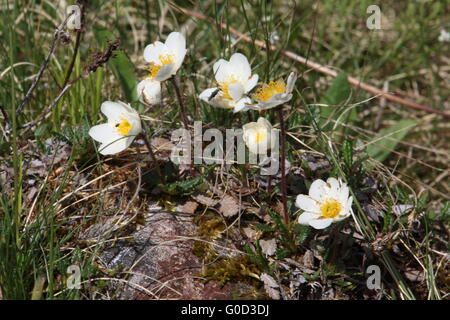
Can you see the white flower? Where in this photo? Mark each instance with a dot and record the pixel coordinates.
(234, 79)
(259, 136)
(165, 58)
(274, 93)
(119, 132)
(444, 36)
(215, 98)
(327, 202)
(149, 90)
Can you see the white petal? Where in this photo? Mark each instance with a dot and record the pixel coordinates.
(291, 82)
(249, 127)
(153, 51)
(217, 101)
(136, 127)
(240, 66)
(317, 190)
(165, 72)
(150, 90)
(320, 223)
(283, 97)
(343, 215)
(115, 146)
(264, 122)
(176, 43)
(306, 217)
(343, 194)
(241, 105)
(332, 188)
(113, 110)
(221, 70)
(103, 132)
(306, 203)
(236, 90)
(130, 113)
(333, 182)
(263, 145)
(269, 104)
(349, 203)
(206, 94)
(251, 83)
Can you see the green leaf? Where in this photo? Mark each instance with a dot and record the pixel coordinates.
(186, 187)
(385, 142)
(120, 64)
(302, 232)
(347, 152)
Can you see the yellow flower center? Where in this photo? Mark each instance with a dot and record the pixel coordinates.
(260, 136)
(165, 59)
(330, 209)
(267, 91)
(224, 87)
(123, 127)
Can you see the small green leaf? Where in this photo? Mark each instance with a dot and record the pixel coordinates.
(302, 232)
(347, 152)
(385, 142)
(186, 187)
(120, 64)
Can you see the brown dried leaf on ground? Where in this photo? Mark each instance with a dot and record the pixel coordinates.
(268, 247)
(229, 206)
(162, 146)
(271, 286)
(251, 233)
(206, 201)
(308, 259)
(414, 275)
(189, 207)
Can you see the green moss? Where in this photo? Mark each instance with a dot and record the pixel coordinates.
(221, 268)
(234, 269)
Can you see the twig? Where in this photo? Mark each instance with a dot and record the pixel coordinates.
(283, 165)
(173, 80)
(318, 67)
(77, 45)
(100, 58)
(152, 154)
(44, 65)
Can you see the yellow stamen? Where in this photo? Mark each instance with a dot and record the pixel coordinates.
(260, 136)
(165, 59)
(224, 87)
(330, 209)
(269, 90)
(123, 127)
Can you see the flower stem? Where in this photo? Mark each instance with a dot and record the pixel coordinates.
(283, 165)
(173, 80)
(152, 155)
(184, 118)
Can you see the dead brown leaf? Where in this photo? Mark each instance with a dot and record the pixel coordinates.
(229, 206)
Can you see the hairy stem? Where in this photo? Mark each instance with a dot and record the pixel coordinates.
(152, 154)
(283, 165)
(173, 80)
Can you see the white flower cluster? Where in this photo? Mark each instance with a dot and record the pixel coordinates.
(327, 202)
